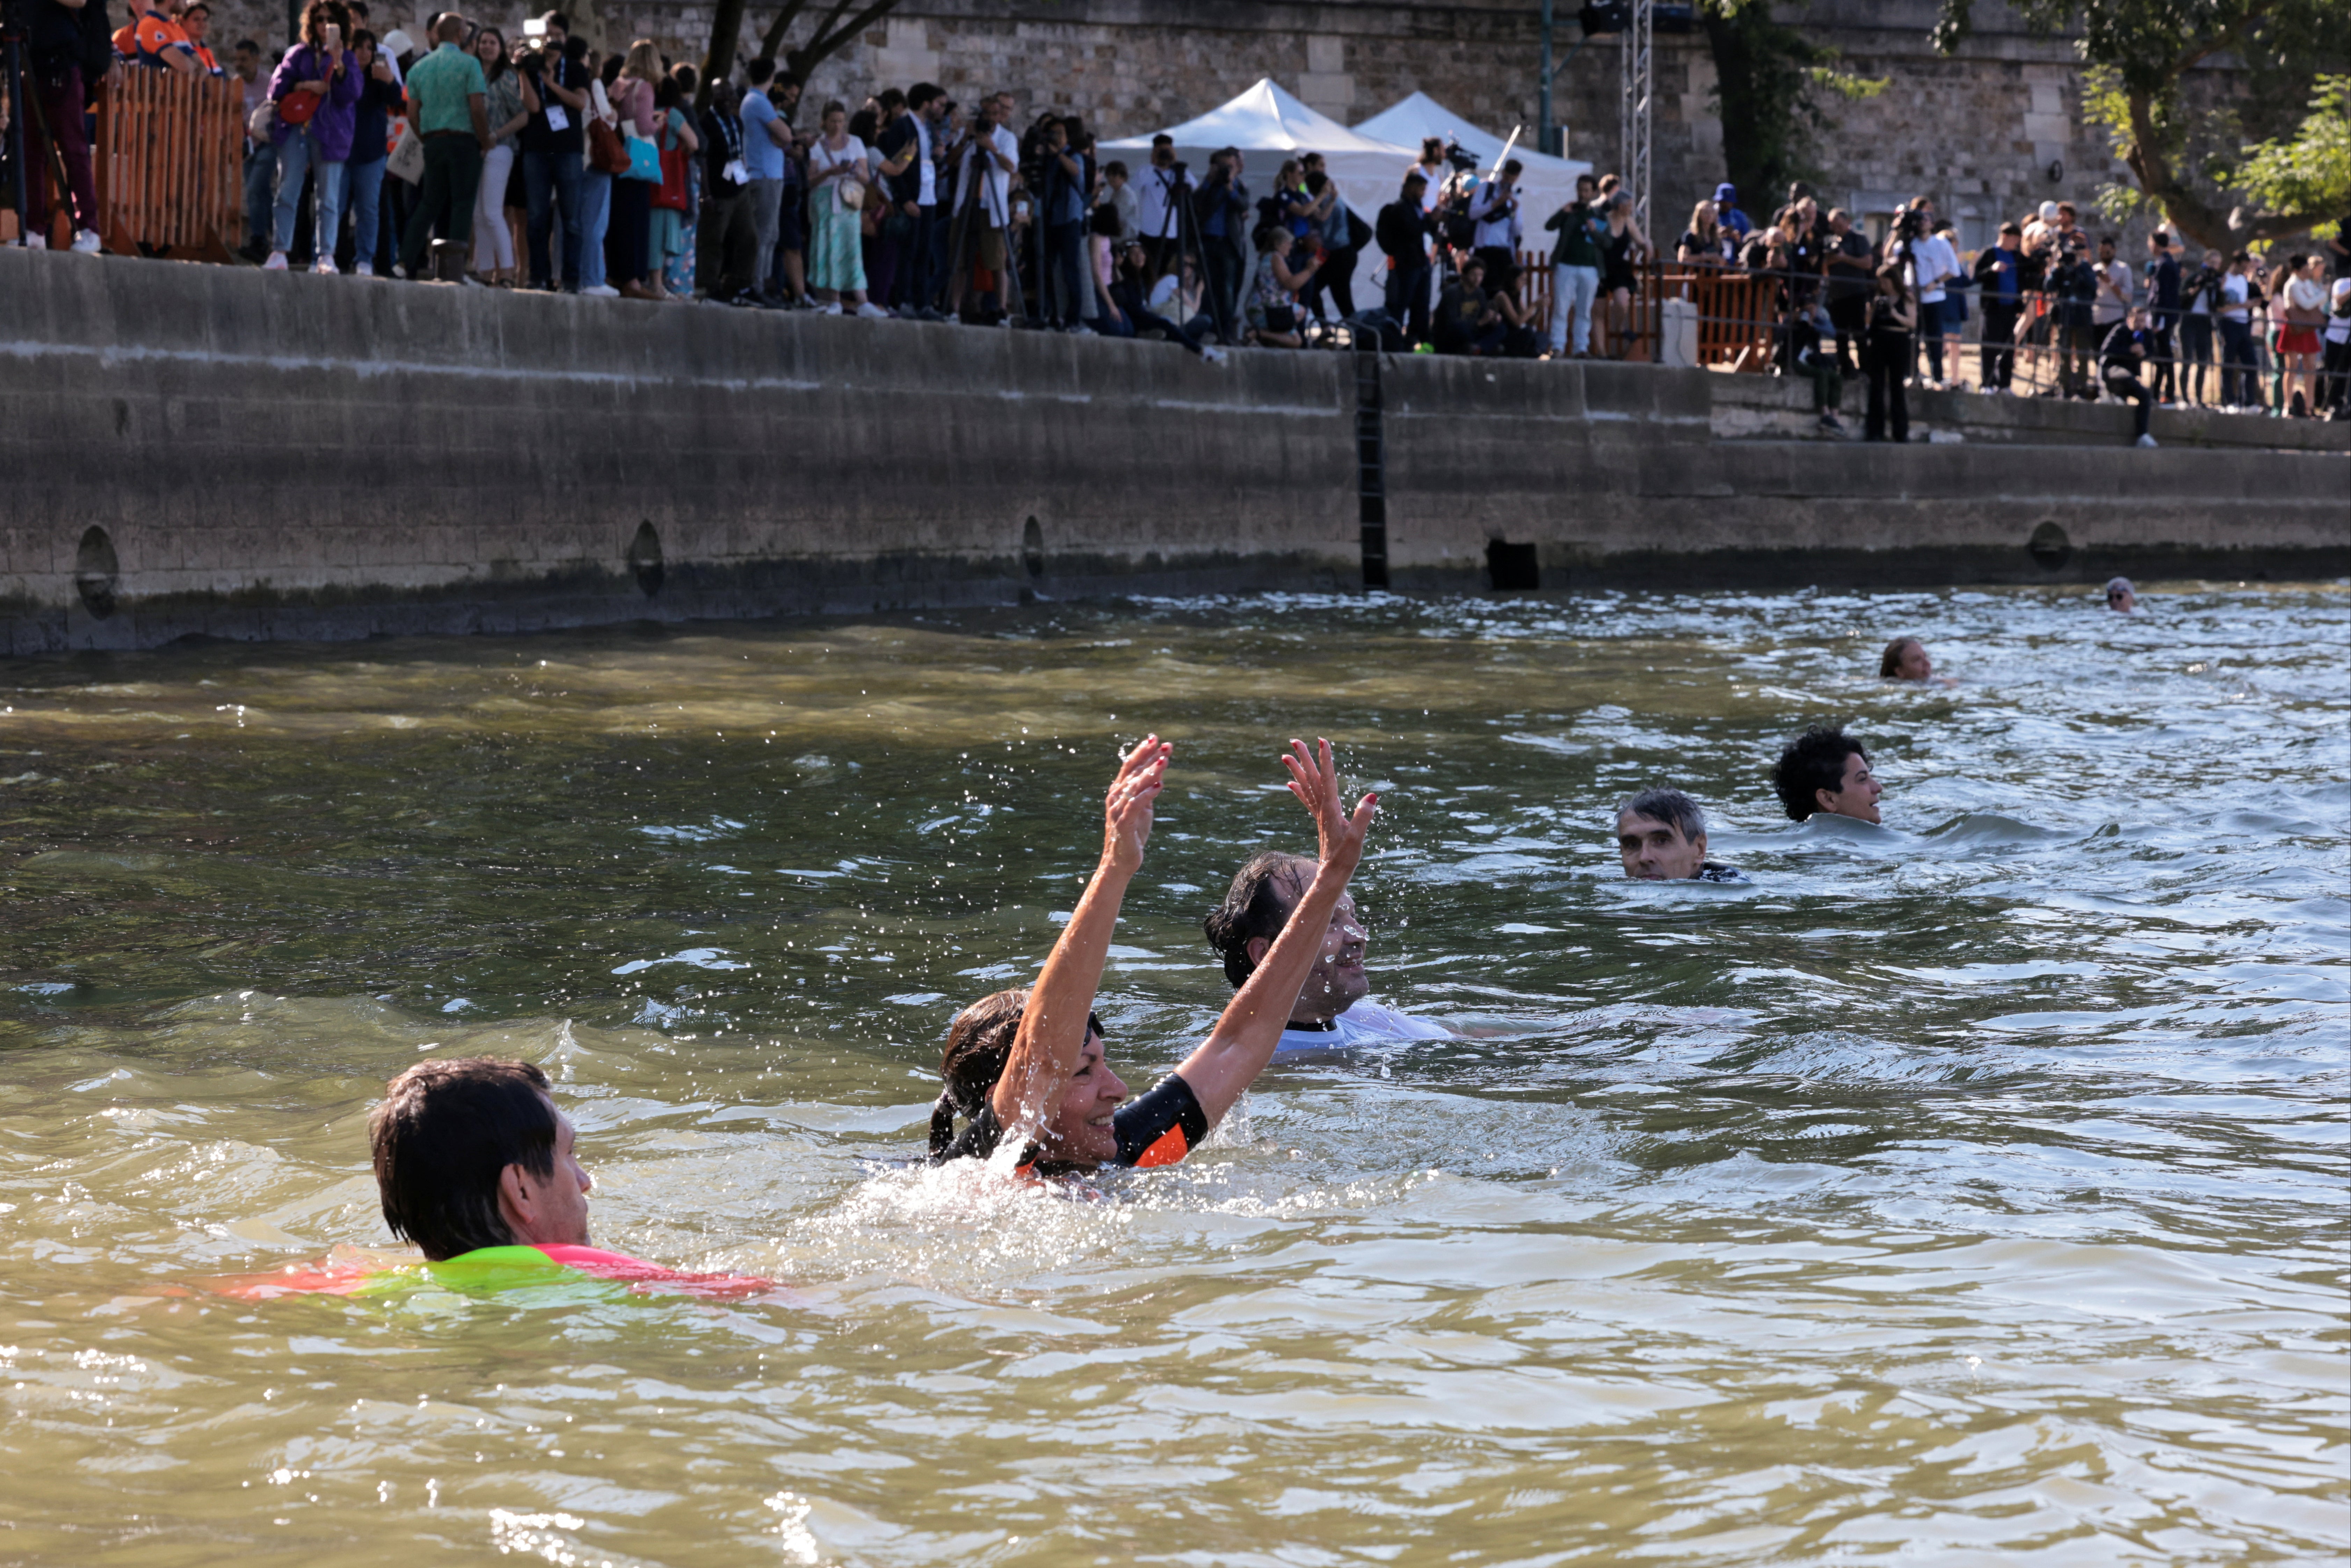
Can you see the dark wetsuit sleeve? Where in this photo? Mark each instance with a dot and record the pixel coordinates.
(1162, 1127)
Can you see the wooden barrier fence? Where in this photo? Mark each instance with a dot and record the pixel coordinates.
(1735, 313)
(170, 164)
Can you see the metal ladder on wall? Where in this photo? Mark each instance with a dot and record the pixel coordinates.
(1371, 465)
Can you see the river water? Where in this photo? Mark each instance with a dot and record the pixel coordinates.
(1966, 1190)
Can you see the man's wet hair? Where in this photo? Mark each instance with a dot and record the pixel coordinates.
(445, 1133)
(1671, 807)
(1889, 664)
(1813, 760)
(1259, 904)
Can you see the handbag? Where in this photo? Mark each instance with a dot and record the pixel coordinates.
(673, 194)
(297, 107)
(644, 161)
(853, 194)
(607, 154)
(406, 160)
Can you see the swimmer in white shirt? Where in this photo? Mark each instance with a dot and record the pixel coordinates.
(1335, 1008)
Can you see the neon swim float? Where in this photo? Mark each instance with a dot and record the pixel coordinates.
(486, 1270)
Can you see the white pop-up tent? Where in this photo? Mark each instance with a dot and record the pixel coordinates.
(1266, 125)
(1548, 183)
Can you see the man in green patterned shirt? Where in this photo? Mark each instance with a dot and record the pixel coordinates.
(446, 91)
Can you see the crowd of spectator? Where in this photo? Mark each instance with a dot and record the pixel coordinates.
(538, 162)
(2060, 315)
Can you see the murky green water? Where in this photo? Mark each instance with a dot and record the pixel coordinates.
(1971, 1191)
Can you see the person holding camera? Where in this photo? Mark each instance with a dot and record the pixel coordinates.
(2200, 293)
(1467, 321)
(1495, 232)
(2073, 284)
(554, 85)
(317, 91)
(370, 141)
(2121, 356)
(1159, 197)
(1273, 296)
(1575, 268)
(1223, 207)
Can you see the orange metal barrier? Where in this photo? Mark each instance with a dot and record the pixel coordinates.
(170, 164)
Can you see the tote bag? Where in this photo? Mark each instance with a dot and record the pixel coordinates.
(606, 152)
(645, 160)
(673, 194)
(406, 160)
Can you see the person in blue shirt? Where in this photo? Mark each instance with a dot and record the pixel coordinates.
(1062, 293)
(2163, 312)
(1727, 213)
(2000, 273)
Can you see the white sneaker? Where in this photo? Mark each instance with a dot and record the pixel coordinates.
(831, 310)
(600, 291)
(1212, 355)
(276, 262)
(2145, 440)
(36, 242)
(324, 267)
(872, 312)
(363, 269)
(86, 243)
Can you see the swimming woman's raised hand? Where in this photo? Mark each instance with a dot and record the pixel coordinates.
(1314, 779)
(1134, 796)
(1053, 1025)
(1221, 1069)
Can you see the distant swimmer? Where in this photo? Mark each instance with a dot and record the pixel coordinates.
(2121, 595)
(1662, 836)
(1906, 660)
(1826, 771)
(1335, 1008)
(1032, 1062)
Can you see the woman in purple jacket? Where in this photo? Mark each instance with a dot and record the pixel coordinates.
(319, 69)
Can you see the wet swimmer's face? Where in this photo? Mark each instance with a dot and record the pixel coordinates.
(1857, 792)
(550, 1209)
(1910, 661)
(1656, 851)
(1338, 980)
(1080, 1129)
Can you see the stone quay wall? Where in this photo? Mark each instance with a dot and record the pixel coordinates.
(1978, 131)
(223, 452)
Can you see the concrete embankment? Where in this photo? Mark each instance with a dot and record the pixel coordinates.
(221, 452)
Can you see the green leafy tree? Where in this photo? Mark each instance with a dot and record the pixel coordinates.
(2139, 53)
(1774, 89)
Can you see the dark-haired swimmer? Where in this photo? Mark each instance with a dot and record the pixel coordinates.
(1662, 836)
(1334, 1008)
(1030, 1063)
(1826, 771)
(1905, 659)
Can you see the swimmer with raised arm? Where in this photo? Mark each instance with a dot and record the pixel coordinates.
(1825, 772)
(1030, 1064)
(1334, 1008)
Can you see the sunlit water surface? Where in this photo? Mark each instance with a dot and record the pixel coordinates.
(1970, 1190)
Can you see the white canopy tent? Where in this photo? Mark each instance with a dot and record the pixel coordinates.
(1548, 183)
(1267, 124)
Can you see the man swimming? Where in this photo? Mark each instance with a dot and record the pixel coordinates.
(475, 1164)
(1030, 1065)
(1662, 836)
(2122, 595)
(1826, 771)
(1335, 1008)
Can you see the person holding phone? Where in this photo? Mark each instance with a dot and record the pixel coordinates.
(317, 95)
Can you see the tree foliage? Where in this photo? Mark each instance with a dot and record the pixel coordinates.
(2139, 54)
(1773, 90)
(2309, 172)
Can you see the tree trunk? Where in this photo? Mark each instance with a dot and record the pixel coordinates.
(718, 61)
(2195, 218)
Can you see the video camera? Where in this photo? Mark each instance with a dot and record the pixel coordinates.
(1463, 162)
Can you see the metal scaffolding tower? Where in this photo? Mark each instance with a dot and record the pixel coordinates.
(1634, 125)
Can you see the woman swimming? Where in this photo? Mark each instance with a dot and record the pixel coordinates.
(1031, 1062)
